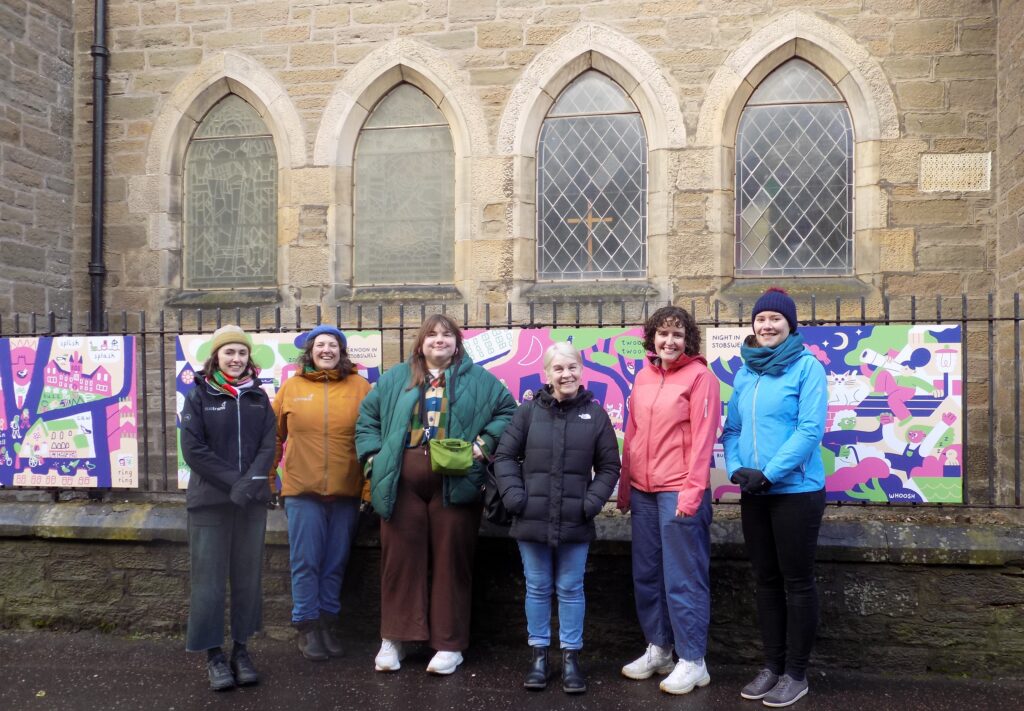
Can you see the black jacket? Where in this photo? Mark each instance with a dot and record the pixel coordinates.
(543, 468)
(227, 442)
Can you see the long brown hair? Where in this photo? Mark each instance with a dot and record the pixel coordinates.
(211, 365)
(344, 367)
(418, 363)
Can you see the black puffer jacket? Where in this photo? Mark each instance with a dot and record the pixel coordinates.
(223, 440)
(543, 467)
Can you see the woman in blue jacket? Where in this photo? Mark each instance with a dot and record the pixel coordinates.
(772, 439)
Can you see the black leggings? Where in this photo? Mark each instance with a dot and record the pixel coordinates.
(781, 534)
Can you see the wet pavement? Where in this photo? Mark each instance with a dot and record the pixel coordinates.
(50, 670)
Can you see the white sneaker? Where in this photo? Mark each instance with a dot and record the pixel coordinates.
(656, 660)
(685, 676)
(445, 662)
(389, 657)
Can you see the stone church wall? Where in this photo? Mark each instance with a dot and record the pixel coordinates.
(35, 148)
(919, 77)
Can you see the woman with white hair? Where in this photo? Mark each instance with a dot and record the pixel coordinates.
(556, 466)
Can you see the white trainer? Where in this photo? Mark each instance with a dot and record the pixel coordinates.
(656, 660)
(389, 657)
(445, 662)
(685, 677)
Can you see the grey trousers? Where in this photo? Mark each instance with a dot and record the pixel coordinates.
(225, 543)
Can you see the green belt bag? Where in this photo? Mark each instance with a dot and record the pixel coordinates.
(451, 457)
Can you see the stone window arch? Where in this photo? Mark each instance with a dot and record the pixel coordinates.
(404, 193)
(592, 184)
(794, 177)
(230, 200)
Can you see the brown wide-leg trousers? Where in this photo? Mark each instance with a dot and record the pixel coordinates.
(427, 561)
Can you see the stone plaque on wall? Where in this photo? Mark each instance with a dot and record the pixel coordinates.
(956, 172)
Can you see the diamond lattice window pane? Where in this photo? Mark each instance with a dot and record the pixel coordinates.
(404, 194)
(592, 186)
(230, 191)
(795, 81)
(794, 187)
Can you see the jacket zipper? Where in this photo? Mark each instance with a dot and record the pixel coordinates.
(326, 458)
(238, 417)
(753, 417)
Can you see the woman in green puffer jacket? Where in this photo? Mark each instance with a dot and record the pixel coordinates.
(429, 520)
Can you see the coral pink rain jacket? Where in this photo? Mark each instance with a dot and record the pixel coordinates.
(673, 423)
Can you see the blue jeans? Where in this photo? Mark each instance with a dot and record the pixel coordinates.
(225, 542)
(671, 572)
(320, 535)
(562, 569)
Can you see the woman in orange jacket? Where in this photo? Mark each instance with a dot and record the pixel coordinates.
(674, 413)
(321, 483)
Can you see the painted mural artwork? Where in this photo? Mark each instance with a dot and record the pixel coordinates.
(67, 412)
(894, 428)
(276, 355)
(611, 358)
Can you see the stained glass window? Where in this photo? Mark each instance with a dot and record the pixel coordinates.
(592, 184)
(794, 177)
(404, 193)
(231, 200)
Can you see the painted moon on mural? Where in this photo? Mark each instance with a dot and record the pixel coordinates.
(845, 341)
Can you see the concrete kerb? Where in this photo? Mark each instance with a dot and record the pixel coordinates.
(842, 540)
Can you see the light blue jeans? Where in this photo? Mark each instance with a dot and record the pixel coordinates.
(320, 535)
(559, 570)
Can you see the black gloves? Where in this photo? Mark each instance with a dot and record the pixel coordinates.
(751, 481)
(250, 490)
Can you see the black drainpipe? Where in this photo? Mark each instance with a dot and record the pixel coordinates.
(97, 268)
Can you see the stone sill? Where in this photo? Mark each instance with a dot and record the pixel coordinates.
(588, 291)
(844, 539)
(224, 298)
(824, 289)
(403, 293)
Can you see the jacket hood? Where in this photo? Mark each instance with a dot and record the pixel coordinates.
(654, 361)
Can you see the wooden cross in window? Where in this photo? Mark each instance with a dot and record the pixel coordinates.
(591, 219)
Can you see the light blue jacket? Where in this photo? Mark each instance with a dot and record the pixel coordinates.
(775, 424)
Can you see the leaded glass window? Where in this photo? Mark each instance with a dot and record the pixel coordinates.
(794, 177)
(231, 199)
(592, 184)
(405, 193)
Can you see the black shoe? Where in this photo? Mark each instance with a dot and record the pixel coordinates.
(309, 641)
(331, 643)
(574, 681)
(539, 674)
(220, 675)
(243, 668)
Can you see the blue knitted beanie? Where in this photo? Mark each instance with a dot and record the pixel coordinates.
(776, 299)
(322, 329)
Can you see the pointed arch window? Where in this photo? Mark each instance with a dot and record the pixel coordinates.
(404, 211)
(592, 184)
(230, 191)
(794, 177)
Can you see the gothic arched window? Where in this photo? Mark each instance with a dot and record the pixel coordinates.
(592, 184)
(404, 181)
(230, 192)
(794, 177)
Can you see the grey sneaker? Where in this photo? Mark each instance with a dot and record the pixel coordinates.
(764, 682)
(787, 691)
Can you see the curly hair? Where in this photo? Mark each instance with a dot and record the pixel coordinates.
(676, 317)
(345, 367)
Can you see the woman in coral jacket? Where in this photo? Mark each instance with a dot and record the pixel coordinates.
(772, 441)
(321, 483)
(674, 413)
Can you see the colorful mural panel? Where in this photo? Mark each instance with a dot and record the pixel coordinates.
(894, 429)
(276, 355)
(67, 412)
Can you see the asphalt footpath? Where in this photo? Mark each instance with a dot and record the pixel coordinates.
(83, 670)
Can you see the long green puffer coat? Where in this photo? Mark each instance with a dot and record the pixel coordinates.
(480, 406)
